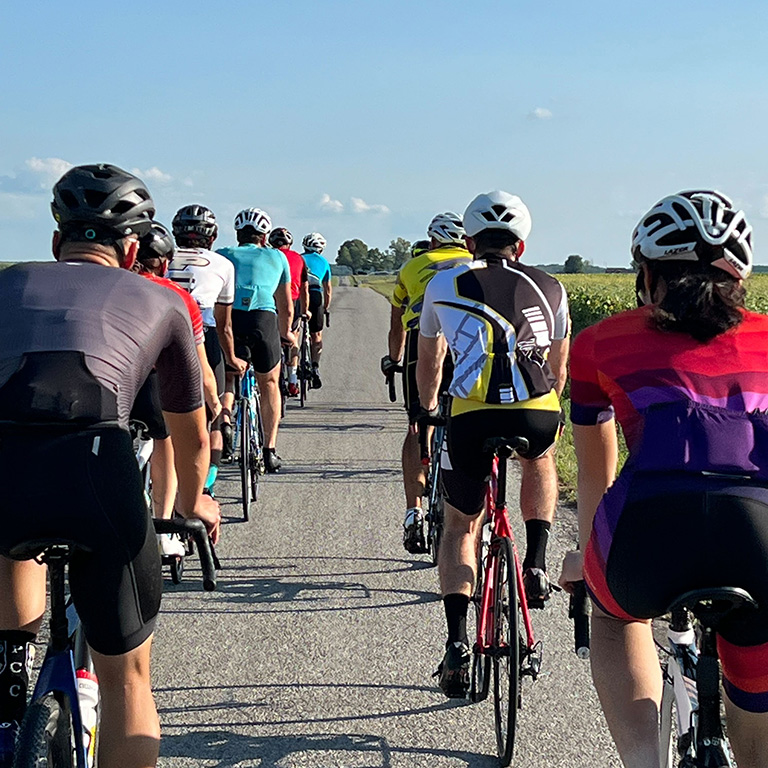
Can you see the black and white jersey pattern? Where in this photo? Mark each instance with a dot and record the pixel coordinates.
(499, 319)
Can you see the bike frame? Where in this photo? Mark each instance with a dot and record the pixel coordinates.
(498, 519)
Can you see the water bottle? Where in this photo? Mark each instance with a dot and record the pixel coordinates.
(88, 697)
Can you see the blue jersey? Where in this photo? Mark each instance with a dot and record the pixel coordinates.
(318, 270)
(259, 271)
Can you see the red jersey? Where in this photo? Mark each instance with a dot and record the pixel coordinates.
(298, 271)
(194, 310)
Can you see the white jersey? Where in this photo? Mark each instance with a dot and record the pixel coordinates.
(208, 276)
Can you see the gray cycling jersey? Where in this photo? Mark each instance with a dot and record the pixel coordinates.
(119, 324)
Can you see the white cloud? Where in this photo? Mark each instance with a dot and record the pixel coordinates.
(36, 176)
(540, 113)
(327, 203)
(360, 206)
(152, 174)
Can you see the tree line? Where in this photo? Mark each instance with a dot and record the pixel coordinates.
(356, 255)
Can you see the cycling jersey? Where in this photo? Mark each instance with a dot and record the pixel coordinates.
(298, 268)
(318, 268)
(117, 324)
(195, 316)
(499, 319)
(208, 276)
(259, 271)
(415, 274)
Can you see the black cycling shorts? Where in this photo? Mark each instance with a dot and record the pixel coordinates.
(465, 468)
(317, 310)
(257, 338)
(296, 315)
(148, 409)
(410, 359)
(215, 356)
(85, 487)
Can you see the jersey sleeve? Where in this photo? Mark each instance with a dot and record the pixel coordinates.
(400, 294)
(196, 317)
(285, 274)
(227, 293)
(327, 276)
(429, 323)
(562, 317)
(590, 404)
(304, 273)
(178, 367)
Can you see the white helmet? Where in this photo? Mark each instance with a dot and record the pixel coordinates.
(498, 210)
(314, 241)
(447, 228)
(678, 225)
(253, 217)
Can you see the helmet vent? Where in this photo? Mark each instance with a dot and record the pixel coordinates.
(94, 198)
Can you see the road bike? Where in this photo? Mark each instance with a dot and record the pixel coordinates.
(60, 726)
(504, 632)
(249, 439)
(431, 447)
(690, 702)
(192, 533)
(304, 370)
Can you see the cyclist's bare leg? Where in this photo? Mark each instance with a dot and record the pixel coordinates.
(269, 388)
(228, 398)
(538, 488)
(22, 586)
(627, 676)
(129, 736)
(414, 474)
(316, 347)
(458, 552)
(748, 734)
(164, 482)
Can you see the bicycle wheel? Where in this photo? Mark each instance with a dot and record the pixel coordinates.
(506, 659)
(45, 738)
(246, 457)
(481, 662)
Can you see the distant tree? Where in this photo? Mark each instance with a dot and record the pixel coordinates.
(376, 260)
(574, 264)
(399, 252)
(353, 254)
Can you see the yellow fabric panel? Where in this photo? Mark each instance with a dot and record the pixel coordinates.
(548, 402)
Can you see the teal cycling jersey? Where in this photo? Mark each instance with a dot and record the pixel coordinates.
(318, 270)
(259, 271)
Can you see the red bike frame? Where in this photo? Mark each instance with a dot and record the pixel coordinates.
(500, 527)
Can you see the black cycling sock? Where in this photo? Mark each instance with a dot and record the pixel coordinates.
(215, 457)
(537, 536)
(456, 607)
(15, 665)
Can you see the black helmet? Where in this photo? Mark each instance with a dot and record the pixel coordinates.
(419, 247)
(194, 220)
(156, 244)
(102, 202)
(280, 238)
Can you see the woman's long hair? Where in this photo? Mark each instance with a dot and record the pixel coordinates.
(699, 299)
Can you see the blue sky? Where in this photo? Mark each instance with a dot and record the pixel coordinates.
(363, 119)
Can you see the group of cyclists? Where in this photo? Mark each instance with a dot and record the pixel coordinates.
(684, 375)
(102, 336)
(131, 324)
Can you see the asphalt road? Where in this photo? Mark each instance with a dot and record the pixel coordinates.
(318, 648)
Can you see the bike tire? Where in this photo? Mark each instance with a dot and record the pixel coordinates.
(506, 660)
(246, 458)
(480, 680)
(45, 737)
(258, 466)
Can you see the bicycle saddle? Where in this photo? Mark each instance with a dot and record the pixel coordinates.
(506, 446)
(29, 550)
(711, 606)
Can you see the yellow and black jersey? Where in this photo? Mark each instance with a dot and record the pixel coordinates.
(499, 319)
(415, 274)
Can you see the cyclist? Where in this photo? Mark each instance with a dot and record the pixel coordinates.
(319, 296)
(685, 376)
(210, 279)
(77, 338)
(262, 314)
(507, 327)
(419, 247)
(155, 251)
(444, 249)
(282, 239)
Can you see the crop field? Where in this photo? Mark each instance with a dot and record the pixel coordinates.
(592, 298)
